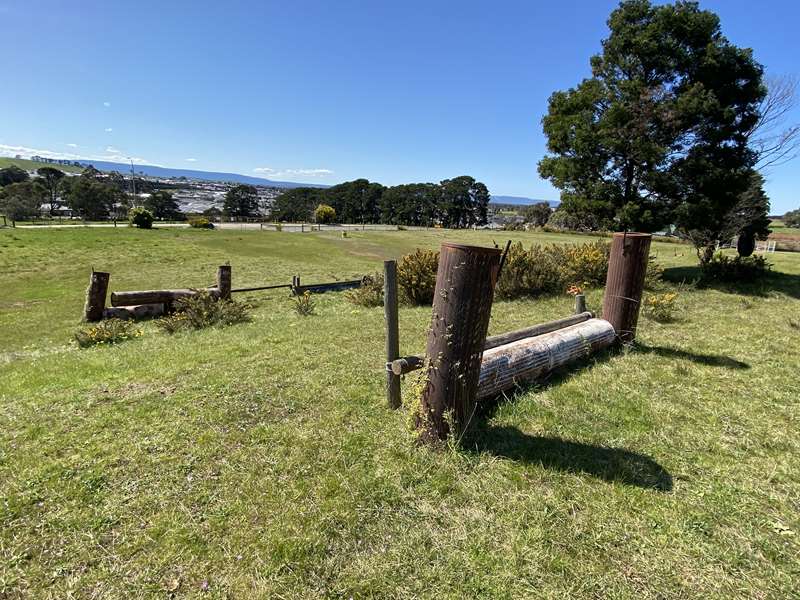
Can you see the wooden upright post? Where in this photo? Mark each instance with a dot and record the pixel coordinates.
(96, 296)
(462, 304)
(390, 315)
(224, 282)
(627, 266)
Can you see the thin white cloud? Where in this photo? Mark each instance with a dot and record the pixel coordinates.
(109, 129)
(191, 160)
(106, 104)
(111, 155)
(270, 172)
(72, 145)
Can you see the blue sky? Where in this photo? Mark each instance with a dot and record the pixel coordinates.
(324, 91)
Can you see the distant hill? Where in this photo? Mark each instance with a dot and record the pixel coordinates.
(30, 165)
(521, 200)
(154, 171)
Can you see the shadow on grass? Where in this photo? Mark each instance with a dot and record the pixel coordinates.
(611, 464)
(711, 360)
(775, 281)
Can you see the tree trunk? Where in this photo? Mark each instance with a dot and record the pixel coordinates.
(462, 303)
(627, 267)
(96, 296)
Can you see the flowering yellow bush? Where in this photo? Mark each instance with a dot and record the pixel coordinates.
(110, 331)
(661, 307)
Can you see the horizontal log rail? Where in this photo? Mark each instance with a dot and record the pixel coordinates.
(326, 287)
(262, 287)
(406, 364)
(155, 296)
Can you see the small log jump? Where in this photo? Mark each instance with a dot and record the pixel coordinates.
(145, 303)
(464, 366)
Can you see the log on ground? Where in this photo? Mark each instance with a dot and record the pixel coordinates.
(528, 359)
(155, 296)
(140, 311)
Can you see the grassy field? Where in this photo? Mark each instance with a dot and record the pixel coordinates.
(30, 165)
(260, 461)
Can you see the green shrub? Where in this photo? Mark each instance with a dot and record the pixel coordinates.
(735, 269)
(304, 304)
(660, 307)
(370, 294)
(200, 223)
(416, 276)
(141, 217)
(110, 331)
(552, 269)
(203, 310)
(325, 214)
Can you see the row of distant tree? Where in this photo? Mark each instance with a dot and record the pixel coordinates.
(457, 203)
(91, 195)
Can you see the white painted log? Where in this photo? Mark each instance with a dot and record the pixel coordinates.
(528, 359)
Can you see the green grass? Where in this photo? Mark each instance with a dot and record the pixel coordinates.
(260, 458)
(30, 165)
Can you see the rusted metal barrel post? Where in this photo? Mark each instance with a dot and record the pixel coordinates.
(224, 282)
(96, 296)
(462, 303)
(390, 314)
(627, 266)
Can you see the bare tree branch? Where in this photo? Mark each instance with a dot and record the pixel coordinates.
(773, 140)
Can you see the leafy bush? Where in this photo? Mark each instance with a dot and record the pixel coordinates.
(203, 310)
(200, 223)
(738, 269)
(325, 214)
(370, 294)
(416, 276)
(141, 217)
(660, 307)
(110, 331)
(552, 269)
(304, 304)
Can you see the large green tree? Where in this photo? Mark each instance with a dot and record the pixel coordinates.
(463, 202)
(409, 204)
(163, 205)
(296, 204)
(50, 178)
(241, 201)
(21, 200)
(658, 134)
(12, 174)
(538, 214)
(91, 198)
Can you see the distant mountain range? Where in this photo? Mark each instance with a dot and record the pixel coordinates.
(154, 171)
(522, 200)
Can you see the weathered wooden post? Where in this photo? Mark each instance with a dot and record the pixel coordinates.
(462, 303)
(627, 266)
(224, 282)
(96, 296)
(390, 316)
(580, 304)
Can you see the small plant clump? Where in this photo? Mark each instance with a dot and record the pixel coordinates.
(660, 307)
(110, 331)
(141, 217)
(203, 310)
(200, 223)
(370, 294)
(304, 304)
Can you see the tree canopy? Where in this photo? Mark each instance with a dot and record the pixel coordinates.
(658, 135)
(50, 178)
(12, 174)
(21, 200)
(162, 205)
(241, 201)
